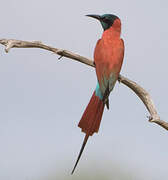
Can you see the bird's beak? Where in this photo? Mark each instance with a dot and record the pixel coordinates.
(94, 16)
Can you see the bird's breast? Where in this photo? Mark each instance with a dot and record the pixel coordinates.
(108, 55)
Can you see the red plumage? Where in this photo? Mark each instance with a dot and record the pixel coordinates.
(92, 116)
(90, 121)
(108, 55)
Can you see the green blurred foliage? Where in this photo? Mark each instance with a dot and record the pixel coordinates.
(116, 173)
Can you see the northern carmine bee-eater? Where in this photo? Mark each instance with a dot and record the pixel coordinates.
(108, 59)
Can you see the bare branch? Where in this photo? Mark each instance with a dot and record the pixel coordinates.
(146, 99)
(12, 43)
(140, 92)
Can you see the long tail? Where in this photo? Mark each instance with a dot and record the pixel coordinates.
(90, 121)
(80, 153)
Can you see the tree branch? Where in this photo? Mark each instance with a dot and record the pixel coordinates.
(140, 92)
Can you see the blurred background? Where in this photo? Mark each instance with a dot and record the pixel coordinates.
(42, 99)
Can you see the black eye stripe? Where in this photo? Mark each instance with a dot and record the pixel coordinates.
(106, 19)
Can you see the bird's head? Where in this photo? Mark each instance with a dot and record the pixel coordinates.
(106, 20)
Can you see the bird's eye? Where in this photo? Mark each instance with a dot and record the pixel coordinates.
(106, 19)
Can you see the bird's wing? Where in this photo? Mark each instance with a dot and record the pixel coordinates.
(108, 58)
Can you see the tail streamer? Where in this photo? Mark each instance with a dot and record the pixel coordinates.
(90, 121)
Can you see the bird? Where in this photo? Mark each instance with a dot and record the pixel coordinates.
(108, 60)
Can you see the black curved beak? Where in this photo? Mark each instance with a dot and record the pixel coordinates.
(95, 16)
